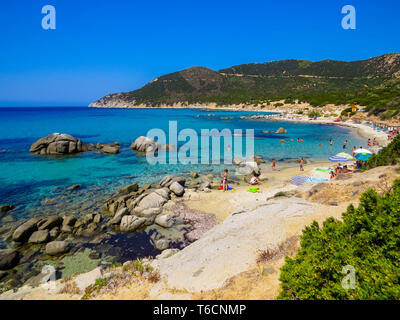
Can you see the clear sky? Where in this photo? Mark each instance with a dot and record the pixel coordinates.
(99, 47)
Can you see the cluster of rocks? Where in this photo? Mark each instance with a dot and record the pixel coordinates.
(58, 143)
(62, 144)
(136, 208)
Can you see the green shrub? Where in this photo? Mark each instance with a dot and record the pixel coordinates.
(368, 239)
(389, 155)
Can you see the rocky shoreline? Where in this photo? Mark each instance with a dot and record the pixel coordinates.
(153, 213)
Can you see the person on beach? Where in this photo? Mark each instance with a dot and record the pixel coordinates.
(224, 177)
(254, 180)
(273, 164)
(301, 164)
(345, 144)
(369, 142)
(374, 142)
(353, 150)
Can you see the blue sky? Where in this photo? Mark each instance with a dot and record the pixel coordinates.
(100, 47)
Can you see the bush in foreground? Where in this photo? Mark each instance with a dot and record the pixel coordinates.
(368, 239)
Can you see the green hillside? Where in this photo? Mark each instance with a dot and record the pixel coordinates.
(374, 83)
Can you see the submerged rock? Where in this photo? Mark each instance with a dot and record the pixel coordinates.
(128, 189)
(5, 209)
(58, 143)
(9, 258)
(281, 130)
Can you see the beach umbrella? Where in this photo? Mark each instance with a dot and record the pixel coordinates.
(345, 155)
(362, 151)
(338, 159)
(363, 156)
(299, 180)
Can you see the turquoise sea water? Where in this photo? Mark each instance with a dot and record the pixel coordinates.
(26, 180)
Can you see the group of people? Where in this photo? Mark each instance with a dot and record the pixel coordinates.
(392, 134)
(372, 142)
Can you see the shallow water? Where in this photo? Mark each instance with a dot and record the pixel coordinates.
(27, 180)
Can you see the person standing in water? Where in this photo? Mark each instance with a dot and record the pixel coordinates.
(331, 143)
(345, 144)
(224, 176)
(301, 164)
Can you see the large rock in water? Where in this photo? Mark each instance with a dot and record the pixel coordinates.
(9, 258)
(58, 143)
(145, 144)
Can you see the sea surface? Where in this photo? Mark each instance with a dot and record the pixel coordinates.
(30, 182)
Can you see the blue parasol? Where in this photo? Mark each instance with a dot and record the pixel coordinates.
(363, 156)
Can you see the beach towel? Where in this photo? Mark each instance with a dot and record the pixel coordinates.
(316, 180)
(324, 170)
(299, 180)
(253, 190)
(227, 187)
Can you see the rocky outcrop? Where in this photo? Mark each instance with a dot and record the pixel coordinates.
(145, 144)
(58, 143)
(9, 258)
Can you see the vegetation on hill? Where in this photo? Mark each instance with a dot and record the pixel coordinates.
(368, 239)
(389, 155)
(373, 83)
